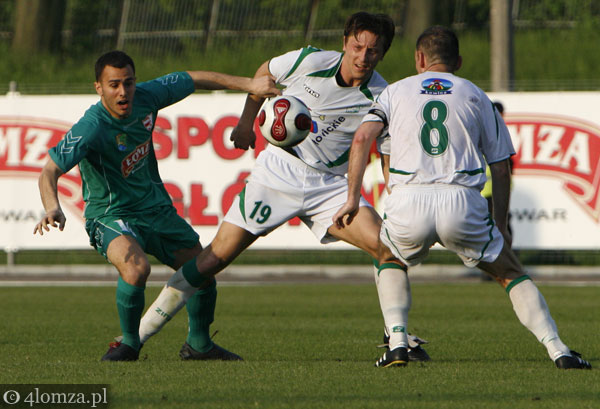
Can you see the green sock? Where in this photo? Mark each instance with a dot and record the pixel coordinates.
(193, 276)
(130, 305)
(201, 313)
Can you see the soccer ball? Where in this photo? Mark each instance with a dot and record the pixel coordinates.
(285, 121)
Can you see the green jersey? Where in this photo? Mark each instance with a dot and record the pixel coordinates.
(116, 157)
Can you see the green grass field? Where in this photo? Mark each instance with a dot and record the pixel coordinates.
(309, 346)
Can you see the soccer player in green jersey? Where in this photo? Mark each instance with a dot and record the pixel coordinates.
(127, 209)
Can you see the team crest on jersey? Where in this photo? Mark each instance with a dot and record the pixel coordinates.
(121, 141)
(148, 122)
(436, 86)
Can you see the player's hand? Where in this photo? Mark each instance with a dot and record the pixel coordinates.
(347, 211)
(264, 87)
(54, 218)
(243, 138)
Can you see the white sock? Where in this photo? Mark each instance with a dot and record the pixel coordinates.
(395, 298)
(531, 309)
(171, 299)
(376, 274)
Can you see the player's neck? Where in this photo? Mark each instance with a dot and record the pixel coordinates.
(437, 67)
(353, 82)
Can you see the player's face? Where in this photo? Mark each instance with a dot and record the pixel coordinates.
(116, 88)
(362, 53)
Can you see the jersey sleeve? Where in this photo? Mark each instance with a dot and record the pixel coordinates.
(380, 110)
(75, 145)
(168, 89)
(283, 66)
(496, 142)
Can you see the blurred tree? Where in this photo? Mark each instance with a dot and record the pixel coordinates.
(38, 25)
(419, 16)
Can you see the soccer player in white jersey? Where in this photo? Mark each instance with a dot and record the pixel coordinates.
(307, 180)
(443, 131)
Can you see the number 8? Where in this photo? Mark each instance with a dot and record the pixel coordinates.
(434, 126)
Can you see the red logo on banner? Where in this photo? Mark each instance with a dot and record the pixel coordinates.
(24, 144)
(560, 147)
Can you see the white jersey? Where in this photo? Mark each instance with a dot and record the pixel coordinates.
(309, 74)
(443, 129)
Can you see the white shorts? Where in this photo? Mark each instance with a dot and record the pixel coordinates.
(280, 187)
(457, 217)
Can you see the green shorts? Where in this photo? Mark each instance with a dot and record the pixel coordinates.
(159, 232)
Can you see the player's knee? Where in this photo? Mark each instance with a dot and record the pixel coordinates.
(135, 273)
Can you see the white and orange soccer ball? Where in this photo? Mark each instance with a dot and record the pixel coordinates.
(284, 121)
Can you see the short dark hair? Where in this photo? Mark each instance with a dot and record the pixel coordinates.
(440, 45)
(381, 25)
(115, 58)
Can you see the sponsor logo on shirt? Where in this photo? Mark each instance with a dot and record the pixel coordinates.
(311, 91)
(148, 122)
(353, 110)
(137, 156)
(121, 141)
(436, 86)
(327, 129)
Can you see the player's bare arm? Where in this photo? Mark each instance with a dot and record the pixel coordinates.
(243, 136)
(501, 195)
(48, 185)
(359, 156)
(263, 86)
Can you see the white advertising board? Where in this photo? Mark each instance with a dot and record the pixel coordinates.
(555, 185)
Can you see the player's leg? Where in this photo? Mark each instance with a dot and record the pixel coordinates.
(395, 300)
(391, 280)
(200, 306)
(120, 242)
(199, 273)
(392, 283)
(127, 256)
(531, 309)
(172, 245)
(466, 228)
(175, 294)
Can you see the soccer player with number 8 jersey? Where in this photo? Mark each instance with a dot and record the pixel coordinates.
(443, 131)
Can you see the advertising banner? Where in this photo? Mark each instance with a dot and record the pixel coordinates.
(554, 203)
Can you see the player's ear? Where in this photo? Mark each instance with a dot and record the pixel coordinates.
(458, 63)
(98, 87)
(419, 60)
